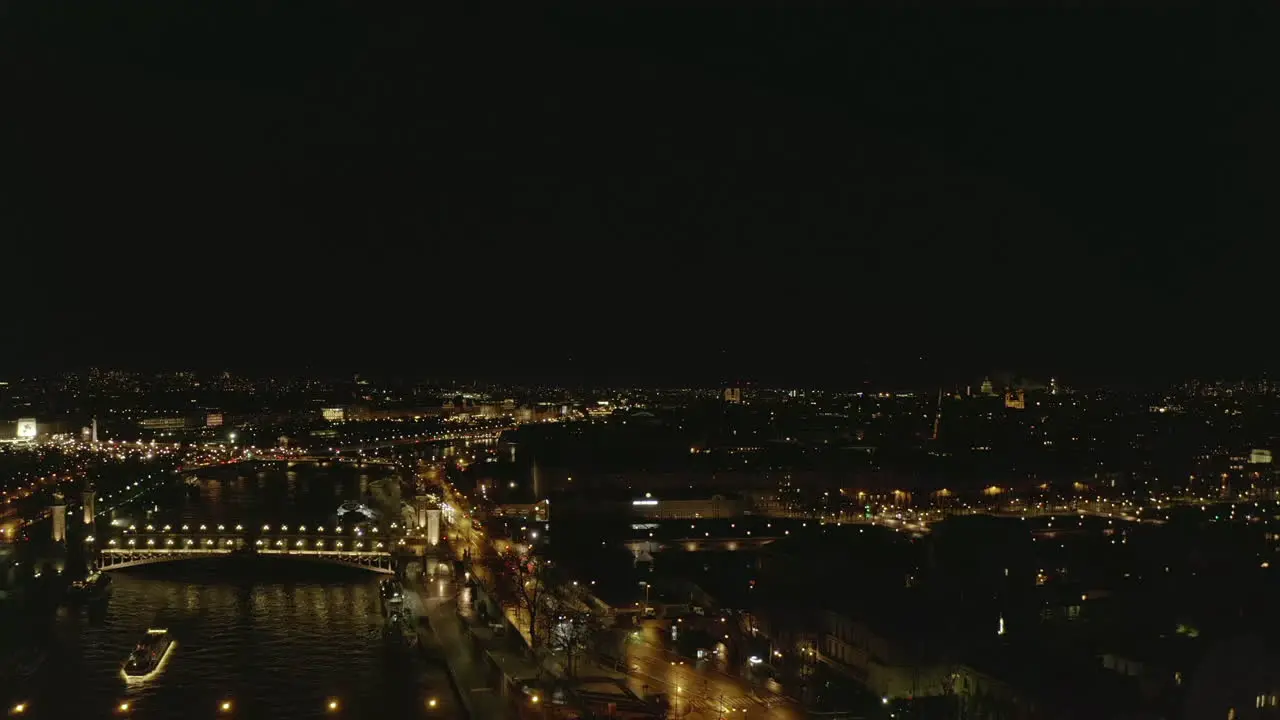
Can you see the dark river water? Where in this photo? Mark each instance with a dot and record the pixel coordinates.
(276, 638)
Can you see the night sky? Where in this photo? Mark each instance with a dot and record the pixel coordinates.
(799, 197)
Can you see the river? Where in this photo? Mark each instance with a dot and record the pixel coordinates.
(275, 638)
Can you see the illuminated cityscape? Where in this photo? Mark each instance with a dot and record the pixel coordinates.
(689, 568)
(582, 363)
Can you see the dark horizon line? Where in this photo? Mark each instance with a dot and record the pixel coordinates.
(954, 379)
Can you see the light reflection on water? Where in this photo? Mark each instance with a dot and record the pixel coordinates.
(278, 639)
(275, 638)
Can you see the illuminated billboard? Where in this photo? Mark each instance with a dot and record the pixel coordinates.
(27, 429)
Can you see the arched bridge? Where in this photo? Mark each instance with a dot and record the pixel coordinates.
(373, 551)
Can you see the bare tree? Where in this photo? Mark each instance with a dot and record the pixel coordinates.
(525, 580)
(574, 623)
(572, 632)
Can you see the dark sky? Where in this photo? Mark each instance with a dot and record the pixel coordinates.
(810, 196)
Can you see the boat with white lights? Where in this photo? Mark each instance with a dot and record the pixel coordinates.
(94, 587)
(149, 654)
(391, 590)
(352, 507)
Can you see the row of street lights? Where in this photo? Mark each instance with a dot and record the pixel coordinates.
(265, 528)
(225, 707)
(151, 542)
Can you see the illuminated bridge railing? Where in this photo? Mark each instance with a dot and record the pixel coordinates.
(117, 559)
(374, 552)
